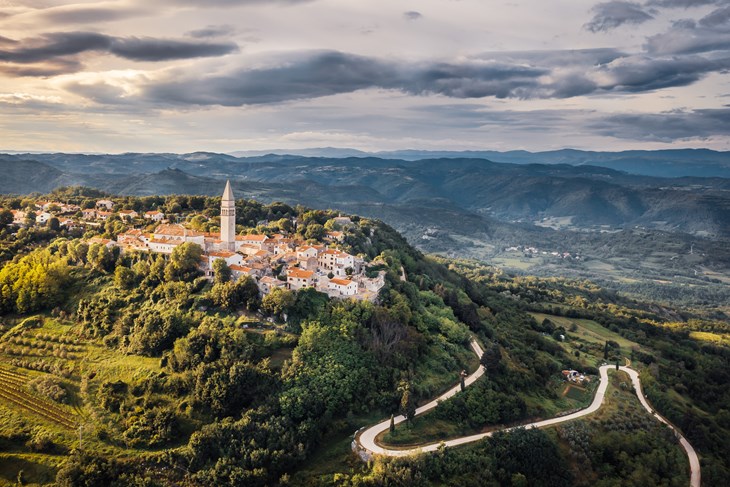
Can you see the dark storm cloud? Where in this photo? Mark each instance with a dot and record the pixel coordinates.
(316, 75)
(150, 49)
(412, 15)
(639, 73)
(718, 17)
(667, 126)
(330, 73)
(59, 50)
(212, 31)
(312, 75)
(609, 15)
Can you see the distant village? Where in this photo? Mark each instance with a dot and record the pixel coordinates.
(273, 261)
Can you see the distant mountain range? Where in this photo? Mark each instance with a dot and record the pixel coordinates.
(661, 163)
(476, 191)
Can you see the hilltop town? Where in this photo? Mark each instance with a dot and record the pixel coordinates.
(274, 261)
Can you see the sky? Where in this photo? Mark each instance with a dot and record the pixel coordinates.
(225, 75)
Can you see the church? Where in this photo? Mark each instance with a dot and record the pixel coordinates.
(169, 235)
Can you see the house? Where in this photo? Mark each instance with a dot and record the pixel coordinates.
(305, 252)
(103, 215)
(18, 217)
(43, 217)
(154, 215)
(133, 240)
(103, 241)
(169, 231)
(342, 287)
(336, 236)
(163, 245)
(128, 214)
(266, 284)
(89, 214)
(238, 271)
(108, 204)
(299, 278)
(343, 221)
(336, 261)
(262, 242)
(231, 258)
(575, 376)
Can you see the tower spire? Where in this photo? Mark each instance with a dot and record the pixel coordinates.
(228, 192)
(228, 219)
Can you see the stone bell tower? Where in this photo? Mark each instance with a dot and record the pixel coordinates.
(228, 219)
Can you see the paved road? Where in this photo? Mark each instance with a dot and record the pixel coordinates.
(366, 446)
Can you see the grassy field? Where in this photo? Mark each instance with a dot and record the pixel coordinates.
(621, 410)
(54, 349)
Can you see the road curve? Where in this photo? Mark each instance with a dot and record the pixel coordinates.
(365, 445)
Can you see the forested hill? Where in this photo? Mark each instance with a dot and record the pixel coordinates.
(172, 379)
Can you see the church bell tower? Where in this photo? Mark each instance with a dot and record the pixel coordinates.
(228, 219)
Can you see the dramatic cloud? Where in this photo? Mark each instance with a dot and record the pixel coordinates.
(716, 18)
(641, 73)
(430, 74)
(314, 75)
(667, 126)
(687, 36)
(609, 15)
(57, 50)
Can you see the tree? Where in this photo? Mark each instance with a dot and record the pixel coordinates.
(30, 218)
(278, 301)
(315, 231)
(124, 277)
(6, 218)
(492, 358)
(407, 403)
(221, 271)
(54, 224)
(392, 423)
(184, 262)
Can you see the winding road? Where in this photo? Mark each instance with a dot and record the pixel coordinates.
(366, 446)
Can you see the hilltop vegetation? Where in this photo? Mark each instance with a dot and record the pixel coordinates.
(174, 379)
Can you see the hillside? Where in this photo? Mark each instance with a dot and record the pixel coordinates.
(179, 380)
(632, 233)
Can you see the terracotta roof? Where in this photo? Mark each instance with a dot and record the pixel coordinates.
(340, 282)
(255, 238)
(165, 241)
(176, 229)
(153, 212)
(299, 273)
(222, 253)
(240, 268)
